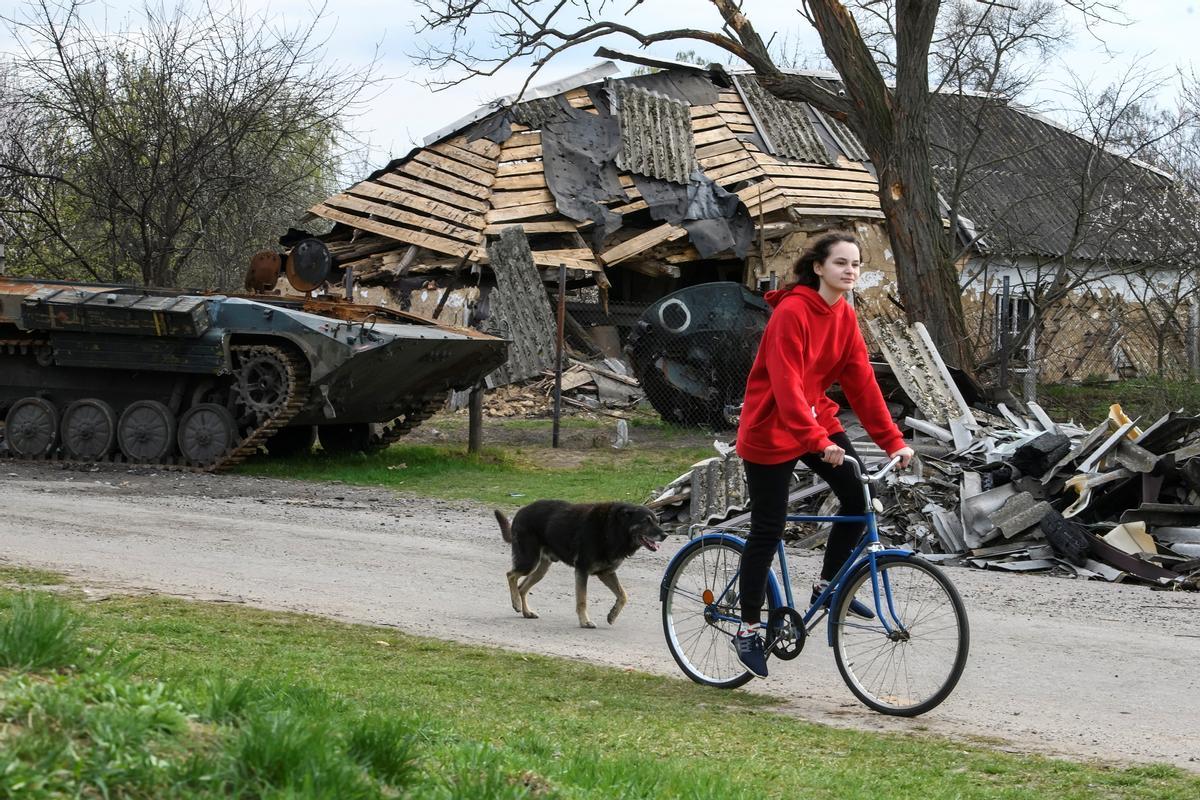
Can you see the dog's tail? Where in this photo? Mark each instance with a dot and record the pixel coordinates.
(505, 528)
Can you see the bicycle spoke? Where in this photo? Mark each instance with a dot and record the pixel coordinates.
(908, 665)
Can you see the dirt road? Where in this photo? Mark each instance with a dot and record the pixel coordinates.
(1083, 669)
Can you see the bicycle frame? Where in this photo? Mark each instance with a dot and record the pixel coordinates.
(868, 551)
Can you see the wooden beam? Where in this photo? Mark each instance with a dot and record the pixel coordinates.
(521, 153)
(717, 148)
(433, 192)
(557, 226)
(511, 199)
(472, 174)
(523, 168)
(440, 210)
(347, 202)
(518, 182)
(521, 212)
(439, 177)
(396, 232)
(465, 156)
(640, 243)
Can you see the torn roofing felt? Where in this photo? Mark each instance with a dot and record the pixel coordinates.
(649, 136)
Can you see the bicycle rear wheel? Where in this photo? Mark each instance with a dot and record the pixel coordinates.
(915, 666)
(701, 587)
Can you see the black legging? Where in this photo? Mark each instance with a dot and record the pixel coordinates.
(768, 487)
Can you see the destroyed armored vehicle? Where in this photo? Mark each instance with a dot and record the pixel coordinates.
(92, 372)
(692, 350)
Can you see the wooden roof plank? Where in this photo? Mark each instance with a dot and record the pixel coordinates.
(345, 201)
(442, 211)
(433, 192)
(440, 177)
(472, 174)
(396, 232)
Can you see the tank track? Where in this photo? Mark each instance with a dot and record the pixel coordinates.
(401, 426)
(268, 424)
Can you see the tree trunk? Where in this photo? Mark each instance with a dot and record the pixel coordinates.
(893, 128)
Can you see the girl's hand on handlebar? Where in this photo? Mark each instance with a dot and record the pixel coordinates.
(834, 455)
(905, 455)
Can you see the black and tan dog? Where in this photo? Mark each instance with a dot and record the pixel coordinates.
(594, 539)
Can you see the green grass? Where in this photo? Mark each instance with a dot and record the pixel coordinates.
(26, 576)
(37, 632)
(232, 702)
(512, 476)
(1147, 399)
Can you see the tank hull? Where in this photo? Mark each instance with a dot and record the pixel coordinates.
(270, 362)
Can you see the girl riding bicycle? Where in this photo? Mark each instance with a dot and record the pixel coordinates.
(811, 341)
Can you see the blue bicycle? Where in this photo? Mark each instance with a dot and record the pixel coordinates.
(904, 661)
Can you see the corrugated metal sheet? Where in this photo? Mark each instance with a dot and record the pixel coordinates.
(656, 133)
(786, 127)
(718, 488)
(519, 310)
(844, 138)
(1025, 180)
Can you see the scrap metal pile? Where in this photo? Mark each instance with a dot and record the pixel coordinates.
(1003, 489)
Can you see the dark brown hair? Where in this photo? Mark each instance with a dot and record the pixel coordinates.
(816, 252)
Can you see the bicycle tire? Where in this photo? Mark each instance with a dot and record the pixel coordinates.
(700, 645)
(927, 655)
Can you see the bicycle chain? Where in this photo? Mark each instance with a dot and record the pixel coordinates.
(297, 383)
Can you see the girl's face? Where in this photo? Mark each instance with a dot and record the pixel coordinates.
(839, 271)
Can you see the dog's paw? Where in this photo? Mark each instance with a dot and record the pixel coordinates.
(612, 616)
(529, 614)
(588, 624)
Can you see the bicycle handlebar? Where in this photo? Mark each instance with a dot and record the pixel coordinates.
(869, 477)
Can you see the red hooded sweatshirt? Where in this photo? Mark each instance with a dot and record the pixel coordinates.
(807, 346)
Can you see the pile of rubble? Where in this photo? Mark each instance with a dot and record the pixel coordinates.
(594, 386)
(1003, 489)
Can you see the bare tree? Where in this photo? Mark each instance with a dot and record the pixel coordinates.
(889, 117)
(160, 153)
(1121, 224)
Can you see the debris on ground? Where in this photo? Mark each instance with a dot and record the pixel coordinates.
(1004, 488)
(604, 386)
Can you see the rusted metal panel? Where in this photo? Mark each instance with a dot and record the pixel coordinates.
(115, 311)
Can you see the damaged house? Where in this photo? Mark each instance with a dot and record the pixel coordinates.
(645, 185)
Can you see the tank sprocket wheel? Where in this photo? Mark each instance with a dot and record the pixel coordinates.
(31, 427)
(146, 432)
(89, 428)
(207, 432)
(263, 381)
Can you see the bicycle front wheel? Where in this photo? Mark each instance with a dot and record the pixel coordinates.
(700, 607)
(910, 660)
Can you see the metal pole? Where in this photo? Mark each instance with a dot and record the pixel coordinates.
(475, 419)
(558, 350)
(1005, 320)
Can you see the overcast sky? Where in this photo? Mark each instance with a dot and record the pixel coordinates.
(1162, 33)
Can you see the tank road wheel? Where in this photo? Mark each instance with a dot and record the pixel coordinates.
(89, 428)
(353, 437)
(206, 433)
(146, 432)
(294, 441)
(31, 427)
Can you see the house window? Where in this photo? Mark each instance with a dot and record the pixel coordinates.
(1011, 317)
